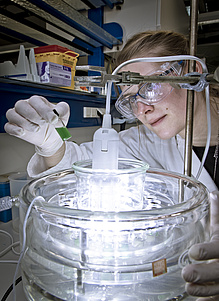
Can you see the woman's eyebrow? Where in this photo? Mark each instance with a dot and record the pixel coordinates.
(128, 94)
(130, 90)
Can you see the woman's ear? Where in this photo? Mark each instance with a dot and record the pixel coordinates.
(198, 67)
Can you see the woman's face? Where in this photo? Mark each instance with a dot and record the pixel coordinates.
(166, 118)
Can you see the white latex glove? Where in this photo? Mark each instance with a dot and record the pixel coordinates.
(203, 279)
(34, 121)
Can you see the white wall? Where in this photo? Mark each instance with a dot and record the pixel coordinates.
(141, 15)
(134, 16)
(14, 154)
(173, 16)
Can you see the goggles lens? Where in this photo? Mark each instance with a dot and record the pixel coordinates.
(148, 93)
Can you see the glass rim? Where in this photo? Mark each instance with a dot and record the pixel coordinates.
(200, 198)
(138, 166)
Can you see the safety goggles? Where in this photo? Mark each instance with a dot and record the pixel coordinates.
(147, 93)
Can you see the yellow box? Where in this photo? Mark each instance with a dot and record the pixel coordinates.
(58, 55)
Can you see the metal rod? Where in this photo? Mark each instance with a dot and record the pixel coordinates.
(100, 81)
(190, 94)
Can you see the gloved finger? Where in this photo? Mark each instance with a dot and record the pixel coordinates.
(215, 234)
(212, 298)
(44, 108)
(63, 109)
(214, 219)
(201, 273)
(24, 109)
(13, 130)
(209, 250)
(205, 251)
(16, 119)
(203, 290)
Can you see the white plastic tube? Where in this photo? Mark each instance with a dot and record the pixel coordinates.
(106, 140)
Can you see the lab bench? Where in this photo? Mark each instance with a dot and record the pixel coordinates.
(7, 270)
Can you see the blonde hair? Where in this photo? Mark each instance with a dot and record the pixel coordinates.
(154, 43)
(157, 43)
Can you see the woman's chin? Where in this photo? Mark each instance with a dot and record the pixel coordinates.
(164, 135)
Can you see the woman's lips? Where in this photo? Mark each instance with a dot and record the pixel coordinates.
(157, 121)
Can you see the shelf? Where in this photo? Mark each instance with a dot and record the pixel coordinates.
(13, 90)
(47, 22)
(52, 22)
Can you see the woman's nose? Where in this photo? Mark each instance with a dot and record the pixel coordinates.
(143, 108)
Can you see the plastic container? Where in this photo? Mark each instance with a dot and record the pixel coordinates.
(5, 215)
(61, 63)
(17, 181)
(25, 69)
(110, 190)
(4, 188)
(74, 253)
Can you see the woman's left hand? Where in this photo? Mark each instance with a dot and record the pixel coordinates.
(203, 279)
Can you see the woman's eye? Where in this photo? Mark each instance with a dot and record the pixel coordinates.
(132, 99)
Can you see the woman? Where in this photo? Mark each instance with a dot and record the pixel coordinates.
(159, 140)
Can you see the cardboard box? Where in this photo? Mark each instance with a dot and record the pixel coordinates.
(54, 74)
(60, 63)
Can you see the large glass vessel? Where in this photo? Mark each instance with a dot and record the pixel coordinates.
(111, 235)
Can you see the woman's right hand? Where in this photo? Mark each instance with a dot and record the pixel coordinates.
(34, 121)
(203, 278)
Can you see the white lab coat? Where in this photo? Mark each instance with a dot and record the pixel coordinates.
(135, 143)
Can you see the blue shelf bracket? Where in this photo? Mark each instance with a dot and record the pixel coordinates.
(97, 59)
(96, 15)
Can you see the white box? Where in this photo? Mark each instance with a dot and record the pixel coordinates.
(54, 74)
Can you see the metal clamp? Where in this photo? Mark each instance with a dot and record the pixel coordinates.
(192, 81)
